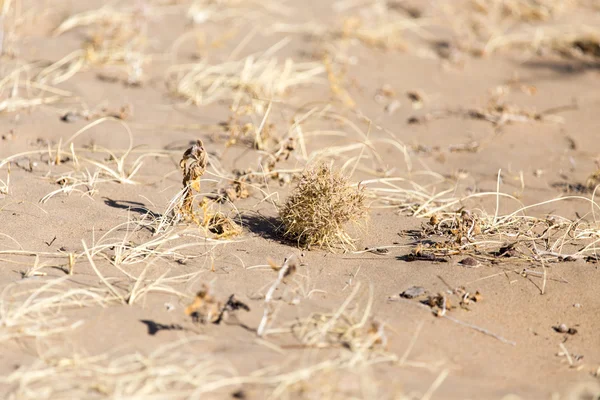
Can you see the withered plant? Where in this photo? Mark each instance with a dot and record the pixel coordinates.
(206, 308)
(193, 166)
(321, 206)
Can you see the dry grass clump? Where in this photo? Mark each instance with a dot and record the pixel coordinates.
(385, 35)
(321, 206)
(35, 308)
(484, 27)
(217, 222)
(116, 37)
(260, 78)
(19, 91)
(592, 182)
(351, 326)
(183, 370)
(181, 208)
(577, 42)
(521, 10)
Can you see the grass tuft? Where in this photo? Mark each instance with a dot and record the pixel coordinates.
(321, 206)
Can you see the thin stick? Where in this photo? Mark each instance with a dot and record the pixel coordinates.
(475, 327)
(412, 343)
(436, 384)
(564, 349)
(283, 272)
(482, 330)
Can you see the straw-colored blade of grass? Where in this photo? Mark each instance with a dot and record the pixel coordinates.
(33, 308)
(251, 82)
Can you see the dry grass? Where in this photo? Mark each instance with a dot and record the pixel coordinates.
(19, 91)
(203, 11)
(248, 84)
(5, 185)
(138, 260)
(34, 309)
(181, 370)
(486, 27)
(351, 326)
(320, 208)
(117, 38)
(90, 165)
(522, 10)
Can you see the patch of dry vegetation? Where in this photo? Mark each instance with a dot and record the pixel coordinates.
(116, 37)
(33, 309)
(181, 370)
(249, 84)
(237, 11)
(320, 208)
(486, 27)
(135, 259)
(19, 91)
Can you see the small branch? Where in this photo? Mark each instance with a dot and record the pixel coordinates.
(475, 327)
(286, 269)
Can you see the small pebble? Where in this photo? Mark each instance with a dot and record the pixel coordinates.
(412, 292)
(69, 117)
(562, 328)
(469, 262)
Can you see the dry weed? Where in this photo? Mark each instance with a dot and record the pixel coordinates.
(321, 206)
(117, 38)
(183, 370)
(484, 27)
(351, 326)
(30, 308)
(206, 308)
(19, 91)
(251, 82)
(192, 165)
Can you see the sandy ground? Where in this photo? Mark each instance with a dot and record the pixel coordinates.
(94, 289)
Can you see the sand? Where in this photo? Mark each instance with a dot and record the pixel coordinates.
(434, 109)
